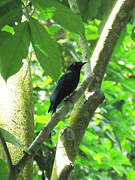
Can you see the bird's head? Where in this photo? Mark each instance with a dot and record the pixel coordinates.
(75, 66)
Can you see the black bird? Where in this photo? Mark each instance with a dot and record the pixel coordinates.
(66, 85)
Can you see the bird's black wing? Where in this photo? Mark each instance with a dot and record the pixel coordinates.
(62, 85)
(65, 79)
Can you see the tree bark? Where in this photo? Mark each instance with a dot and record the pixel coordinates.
(16, 114)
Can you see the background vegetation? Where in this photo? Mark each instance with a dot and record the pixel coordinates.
(107, 149)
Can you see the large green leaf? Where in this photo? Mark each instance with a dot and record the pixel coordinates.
(3, 2)
(92, 9)
(3, 170)
(10, 138)
(10, 12)
(62, 15)
(13, 49)
(46, 49)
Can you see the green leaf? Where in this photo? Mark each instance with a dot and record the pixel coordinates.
(93, 7)
(9, 29)
(107, 84)
(3, 2)
(62, 15)
(42, 119)
(131, 174)
(46, 49)
(10, 138)
(13, 49)
(10, 12)
(3, 170)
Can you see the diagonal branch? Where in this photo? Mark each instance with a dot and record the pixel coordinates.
(116, 22)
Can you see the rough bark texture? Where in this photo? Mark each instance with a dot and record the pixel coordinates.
(61, 157)
(16, 114)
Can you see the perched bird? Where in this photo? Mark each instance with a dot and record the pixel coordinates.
(66, 85)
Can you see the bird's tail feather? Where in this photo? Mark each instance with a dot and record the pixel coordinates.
(43, 175)
(50, 108)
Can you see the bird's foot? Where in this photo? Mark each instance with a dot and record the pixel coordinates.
(68, 98)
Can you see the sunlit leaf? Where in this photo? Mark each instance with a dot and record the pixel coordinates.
(10, 138)
(131, 174)
(42, 119)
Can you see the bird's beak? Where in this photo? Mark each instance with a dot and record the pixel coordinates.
(82, 63)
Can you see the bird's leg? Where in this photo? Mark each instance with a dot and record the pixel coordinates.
(66, 99)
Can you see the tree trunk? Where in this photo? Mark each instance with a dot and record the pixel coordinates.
(16, 114)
